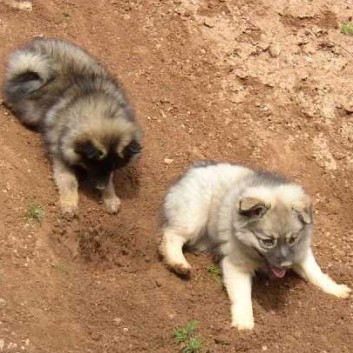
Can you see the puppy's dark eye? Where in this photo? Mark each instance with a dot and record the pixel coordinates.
(88, 150)
(267, 243)
(133, 148)
(293, 239)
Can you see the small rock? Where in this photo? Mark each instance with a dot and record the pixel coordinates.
(2, 302)
(275, 50)
(264, 348)
(227, 121)
(264, 45)
(125, 329)
(171, 316)
(348, 108)
(158, 283)
(302, 40)
(117, 321)
(12, 345)
(222, 341)
(20, 5)
(209, 23)
(168, 160)
(25, 5)
(240, 73)
(197, 153)
(95, 336)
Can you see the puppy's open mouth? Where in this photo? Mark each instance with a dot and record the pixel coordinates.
(278, 272)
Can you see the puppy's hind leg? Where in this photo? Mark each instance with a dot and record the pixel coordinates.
(172, 251)
(67, 184)
(111, 201)
(311, 271)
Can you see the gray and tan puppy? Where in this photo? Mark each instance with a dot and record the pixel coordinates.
(253, 221)
(85, 118)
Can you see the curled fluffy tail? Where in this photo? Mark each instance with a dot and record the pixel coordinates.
(26, 72)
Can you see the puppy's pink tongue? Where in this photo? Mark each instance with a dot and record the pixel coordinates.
(278, 272)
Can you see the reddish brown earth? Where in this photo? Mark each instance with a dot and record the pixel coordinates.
(265, 83)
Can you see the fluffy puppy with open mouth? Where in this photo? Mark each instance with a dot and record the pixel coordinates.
(253, 221)
(82, 112)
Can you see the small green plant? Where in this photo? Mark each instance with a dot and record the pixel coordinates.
(166, 89)
(190, 341)
(193, 346)
(65, 14)
(61, 268)
(347, 29)
(182, 333)
(216, 273)
(34, 213)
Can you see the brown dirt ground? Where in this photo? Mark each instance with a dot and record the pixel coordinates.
(263, 83)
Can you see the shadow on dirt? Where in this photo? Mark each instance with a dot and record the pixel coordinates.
(273, 294)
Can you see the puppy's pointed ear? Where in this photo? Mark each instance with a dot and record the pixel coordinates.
(304, 210)
(252, 207)
(90, 150)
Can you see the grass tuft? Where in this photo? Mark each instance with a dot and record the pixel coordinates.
(190, 341)
(61, 268)
(34, 213)
(216, 273)
(347, 29)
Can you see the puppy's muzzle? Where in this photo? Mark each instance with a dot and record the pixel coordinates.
(100, 183)
(101, 187)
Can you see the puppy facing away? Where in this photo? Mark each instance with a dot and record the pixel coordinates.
(254, 221)
(82, 112)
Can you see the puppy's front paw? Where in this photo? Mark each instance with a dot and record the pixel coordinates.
(243, 319)
(243, 325)
(181, 269)
(340, 291)
(69, 210)
(112, 204)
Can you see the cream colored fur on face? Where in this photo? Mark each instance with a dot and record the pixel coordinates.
(204, 201)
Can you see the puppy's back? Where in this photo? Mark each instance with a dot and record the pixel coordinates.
(66, 58)
(38, 74)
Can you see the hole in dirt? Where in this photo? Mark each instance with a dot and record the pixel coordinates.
(95, 245)
(272, 294)
(106, 244)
